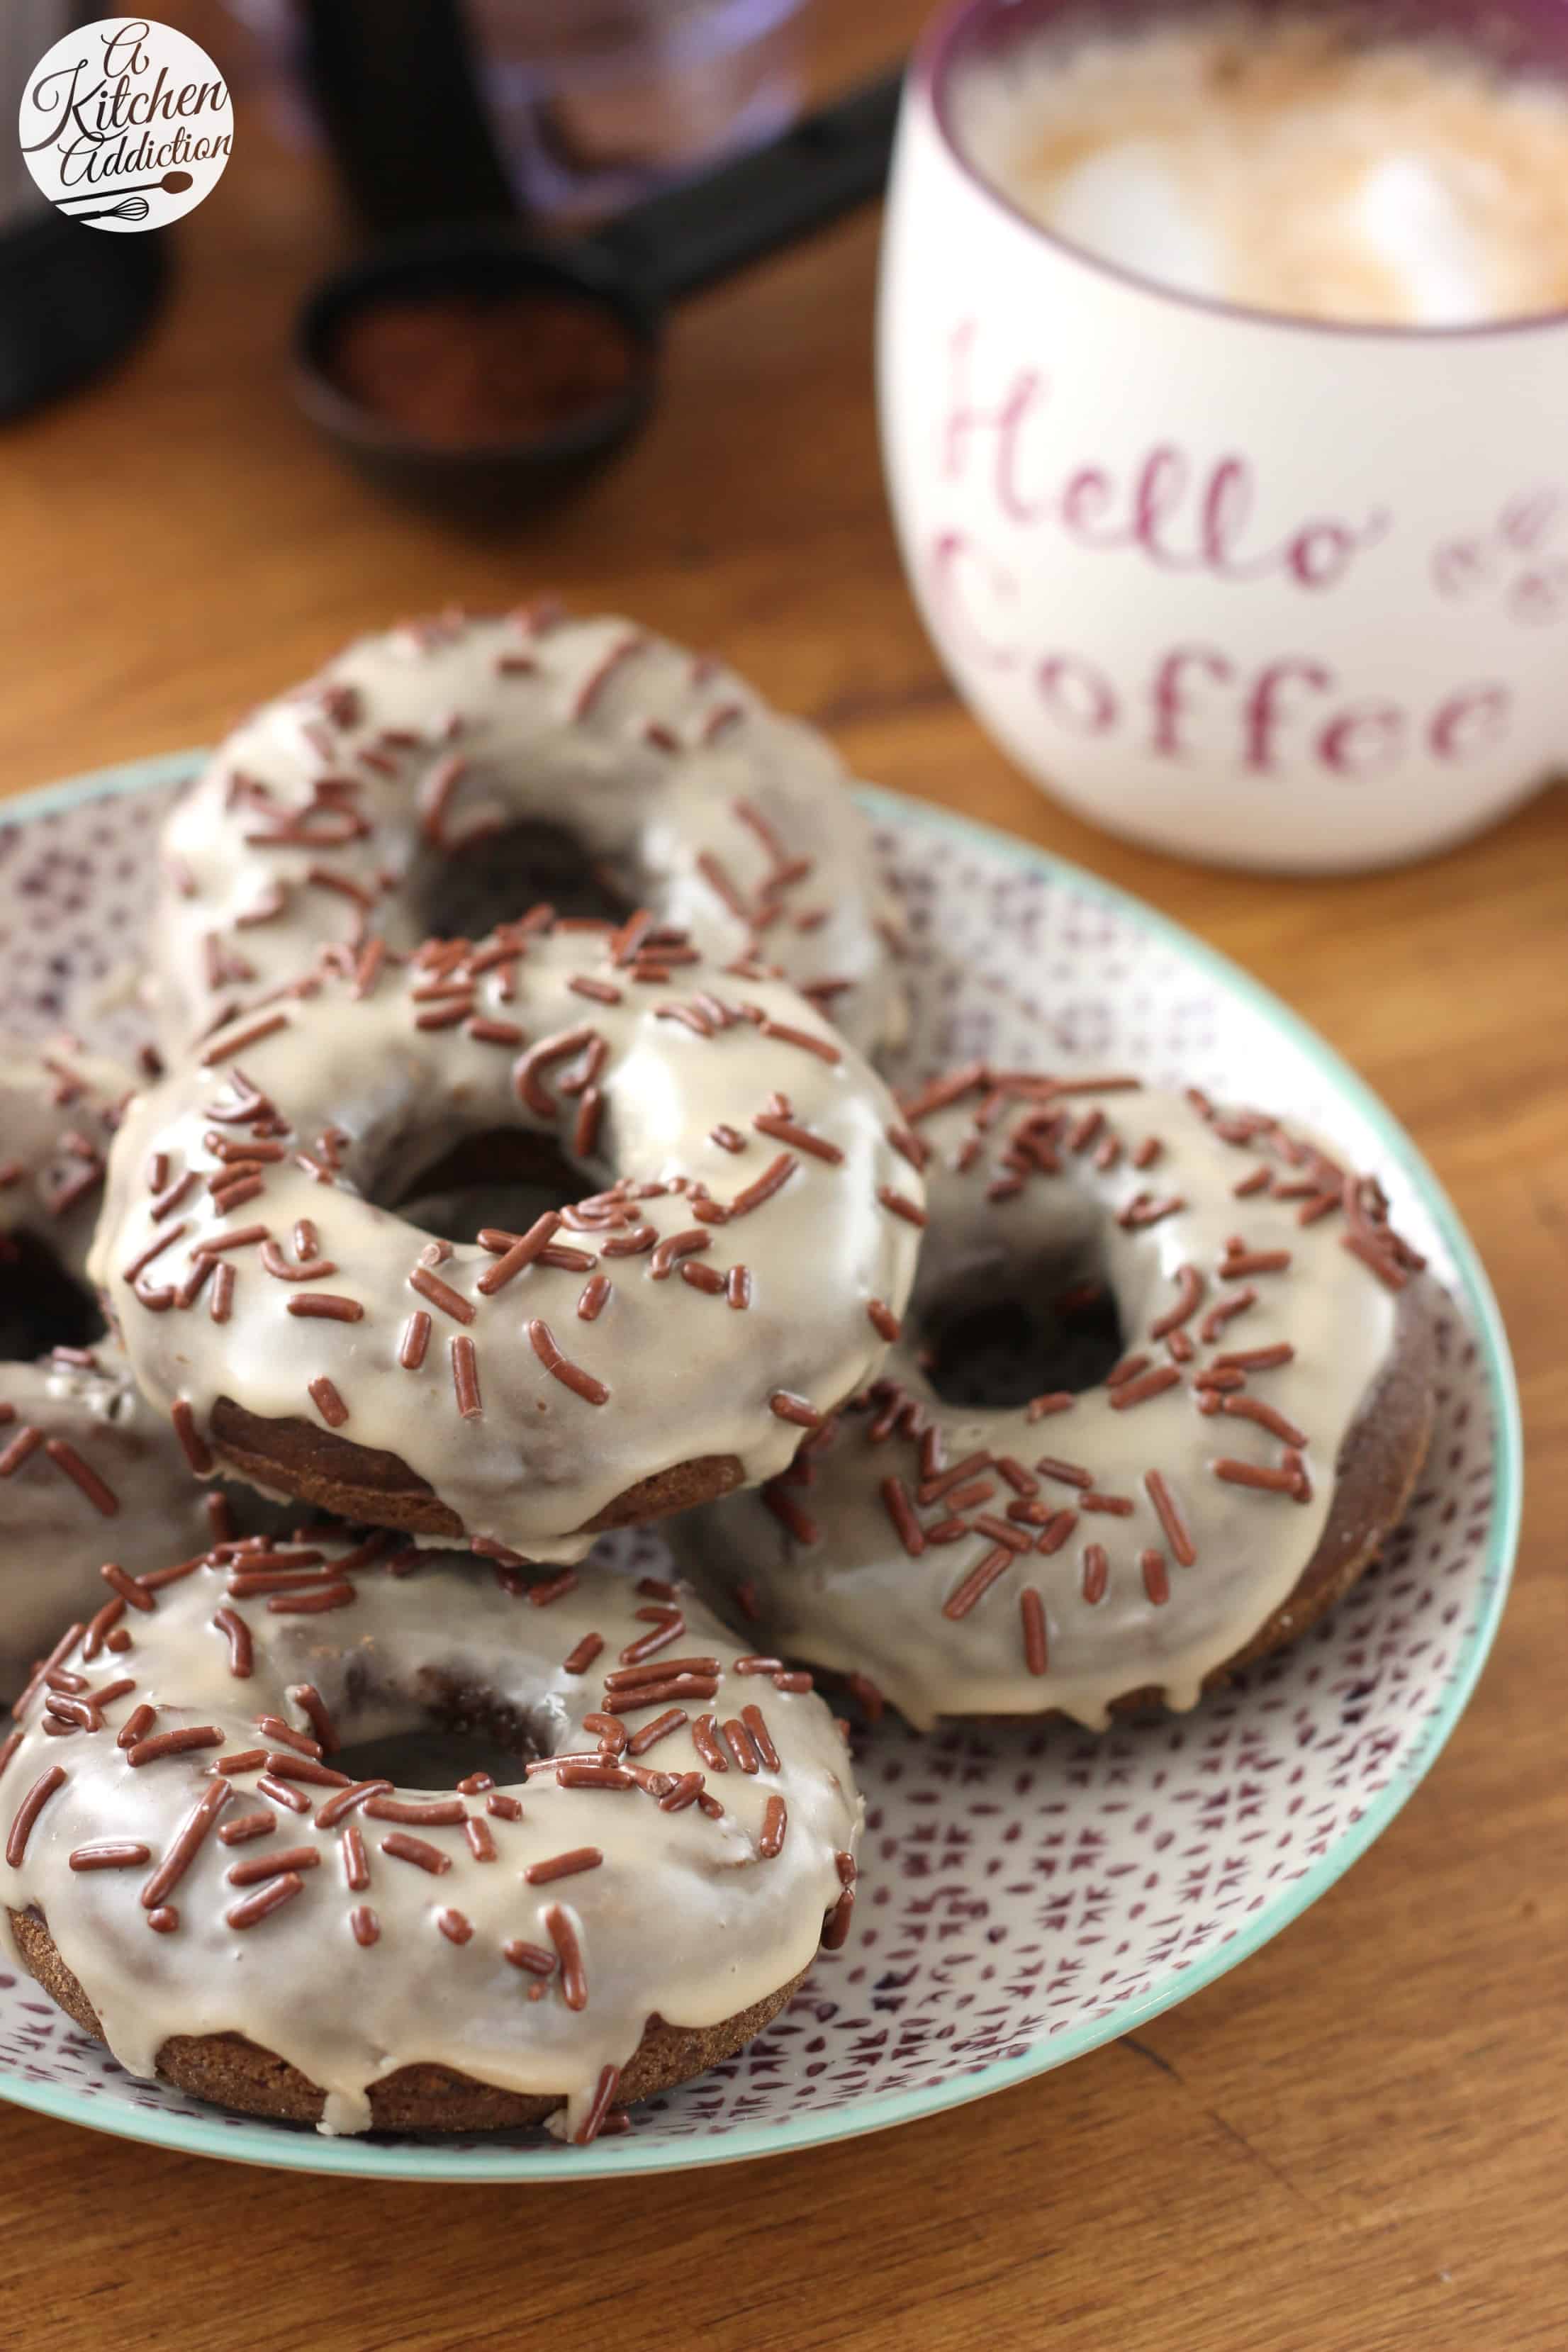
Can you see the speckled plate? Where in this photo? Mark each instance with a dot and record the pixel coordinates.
(1026, 1893)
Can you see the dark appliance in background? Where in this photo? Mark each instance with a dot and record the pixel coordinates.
(564, 109)
(419, 103)
(72, 299)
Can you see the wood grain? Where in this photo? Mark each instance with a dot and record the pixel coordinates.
(1354, 2144)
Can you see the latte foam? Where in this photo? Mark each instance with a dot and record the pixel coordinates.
(1272, 163)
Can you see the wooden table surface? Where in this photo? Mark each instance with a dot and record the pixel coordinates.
(1356, 2142)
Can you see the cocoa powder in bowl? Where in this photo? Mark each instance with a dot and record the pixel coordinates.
(467, 371)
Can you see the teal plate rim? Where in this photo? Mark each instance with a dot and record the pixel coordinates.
(290, 2149)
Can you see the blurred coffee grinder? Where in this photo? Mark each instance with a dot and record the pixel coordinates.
(561, 111)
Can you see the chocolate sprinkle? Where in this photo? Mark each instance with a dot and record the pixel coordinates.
(563, 1936)
(28, 1812)
(441, 1294)
(788, 1130)
(776, 1821)
(266, 1900)
(520, 1250)
(774, 1175)
(1170, 1517)
(102, 1497)
(542, 1342)
(466, 1378)
(255, 1869)
(172, 1743)
(1147, 1384)
(798, 1408)
(113, 1854)
(232, 1624)
(563, 1865)
(328, 1402)
(533, 1959)
(978, 1581)
(418, 1851)
(1036, 1648)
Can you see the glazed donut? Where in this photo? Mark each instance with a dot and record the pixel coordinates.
(87, 1468)
(195, 1870)
(1137, 1541)
(748, 1247)
(360, 803)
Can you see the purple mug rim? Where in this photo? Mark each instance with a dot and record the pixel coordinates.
(941, 46)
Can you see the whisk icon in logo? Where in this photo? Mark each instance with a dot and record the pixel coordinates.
(126, 124)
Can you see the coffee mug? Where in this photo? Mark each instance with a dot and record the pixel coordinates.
(1242, 586)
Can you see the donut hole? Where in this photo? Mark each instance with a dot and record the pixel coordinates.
(430, 1756)
(995, 1352)
(450, 1733)
(41, 1305)
(467, 893)
(504, 1177)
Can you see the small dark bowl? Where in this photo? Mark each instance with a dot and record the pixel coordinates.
(495, 480)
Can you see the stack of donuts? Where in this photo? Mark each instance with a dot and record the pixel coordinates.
(450, 1224)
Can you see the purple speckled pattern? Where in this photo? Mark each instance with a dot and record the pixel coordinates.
(1021, 1886)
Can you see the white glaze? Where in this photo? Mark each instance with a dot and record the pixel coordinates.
(53, 1536)
(855, 1601)
(683, 1918)
(689, 1376)
(54, 1539)
(637, 749)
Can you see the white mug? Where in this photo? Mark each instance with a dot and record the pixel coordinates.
(1242, 586)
